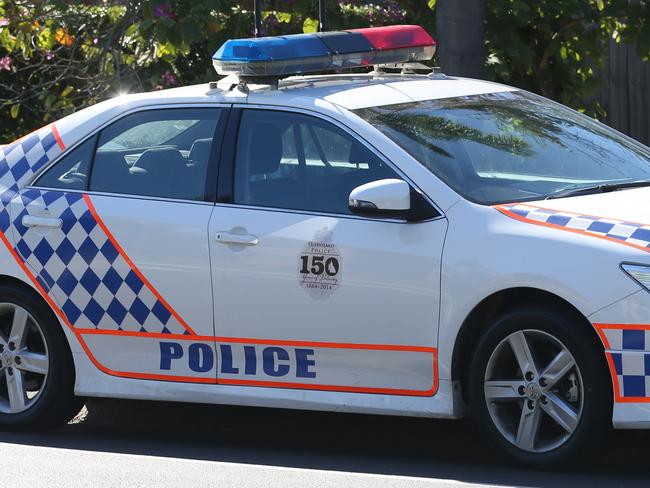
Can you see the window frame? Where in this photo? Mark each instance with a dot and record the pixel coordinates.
(213, 162)
(226, 177)
(94, 138)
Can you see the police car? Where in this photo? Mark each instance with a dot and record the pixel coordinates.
(382, 242)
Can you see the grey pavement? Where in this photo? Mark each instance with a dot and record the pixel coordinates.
(133, 444)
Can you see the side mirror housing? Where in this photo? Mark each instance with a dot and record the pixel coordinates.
(390, 198)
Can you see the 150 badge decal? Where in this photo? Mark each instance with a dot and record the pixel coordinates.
(320, 264)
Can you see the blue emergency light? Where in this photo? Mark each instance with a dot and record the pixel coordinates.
(303, 53)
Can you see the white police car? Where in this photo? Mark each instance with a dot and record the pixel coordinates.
(382, 243)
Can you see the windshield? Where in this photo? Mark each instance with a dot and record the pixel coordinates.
(510, 147)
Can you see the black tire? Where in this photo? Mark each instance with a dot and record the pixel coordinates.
(56, 403)
(595, 423)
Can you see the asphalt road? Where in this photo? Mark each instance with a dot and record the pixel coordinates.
(131, 444)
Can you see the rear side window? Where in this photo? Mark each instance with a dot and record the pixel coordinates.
(293, 161)
(160, 153)
(71, 171)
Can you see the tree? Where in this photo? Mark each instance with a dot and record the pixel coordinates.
(461, 37)
(57, 56)
(557, 47)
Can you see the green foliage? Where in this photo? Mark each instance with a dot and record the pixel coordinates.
(57, 56)
(556, 47)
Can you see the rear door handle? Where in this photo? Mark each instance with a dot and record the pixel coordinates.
(241, 239)
(46, 222)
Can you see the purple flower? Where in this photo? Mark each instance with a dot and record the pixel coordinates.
(6, 63)
(49, 56)
(169, 78)
(163, 10)
(3, 22)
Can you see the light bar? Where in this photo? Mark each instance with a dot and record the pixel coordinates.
(322, 51)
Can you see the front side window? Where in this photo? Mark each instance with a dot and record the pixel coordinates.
(510, 147)
(159, 153)
(293, 161)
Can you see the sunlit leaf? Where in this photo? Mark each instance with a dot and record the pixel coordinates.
(310, 25)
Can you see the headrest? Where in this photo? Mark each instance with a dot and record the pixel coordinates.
(161, 159)
(110, 171)
(200, 151)
(265, 148)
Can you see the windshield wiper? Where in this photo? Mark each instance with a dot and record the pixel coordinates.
(602, 188)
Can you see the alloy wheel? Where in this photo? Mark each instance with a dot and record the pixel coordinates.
(534, 390)
(24, 359)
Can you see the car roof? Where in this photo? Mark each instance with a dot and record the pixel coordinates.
(370, 90)
(350, 91)
(327, 94)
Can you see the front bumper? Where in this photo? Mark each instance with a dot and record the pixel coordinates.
(624, 329)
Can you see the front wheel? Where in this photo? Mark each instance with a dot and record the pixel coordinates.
(539, 387)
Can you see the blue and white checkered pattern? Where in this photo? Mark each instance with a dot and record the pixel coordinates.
(19, 161)
(637, 235)
(631, 357)
(77, 265)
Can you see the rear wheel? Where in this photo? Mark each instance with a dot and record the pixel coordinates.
(36, 368)
(539, 387)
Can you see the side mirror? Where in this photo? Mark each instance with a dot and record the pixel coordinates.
(385, 198)
(390, 198)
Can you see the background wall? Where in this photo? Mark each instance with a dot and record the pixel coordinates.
(625, 94)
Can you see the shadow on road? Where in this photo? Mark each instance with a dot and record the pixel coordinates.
(327, 441)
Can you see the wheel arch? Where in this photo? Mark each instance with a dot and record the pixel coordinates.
(486, 311)
(6, 279)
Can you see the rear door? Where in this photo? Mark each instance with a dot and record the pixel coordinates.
(116, 232)
(306, 294)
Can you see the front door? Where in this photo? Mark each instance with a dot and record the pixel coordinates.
(306, 294)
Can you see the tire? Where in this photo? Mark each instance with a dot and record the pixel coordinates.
(571, 411)
(48, 399)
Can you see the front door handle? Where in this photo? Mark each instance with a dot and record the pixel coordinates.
(45, 222)
(240, 239)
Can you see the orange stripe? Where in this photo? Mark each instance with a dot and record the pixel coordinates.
(59, 141)
(135, 269)
(610, 360)
(38, 286)
(276, 384)
(599, 329)
(623, 326)
(241, 340)
(347, 389)
(334, 345)
(142, 376)
(578, 214)
(225, 381)
(145, 335)
(612, 372)
(566, 229)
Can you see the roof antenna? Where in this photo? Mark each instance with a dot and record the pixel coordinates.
(322, 27)
(257, 12)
